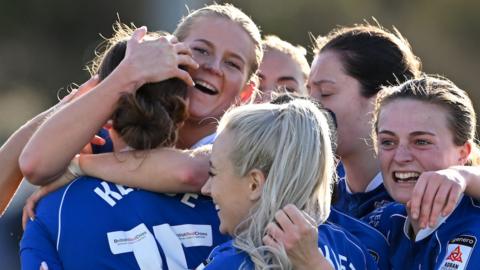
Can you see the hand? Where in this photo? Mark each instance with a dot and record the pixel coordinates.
(31, 203)
(156, 60)
(298, 234)
(435, 193)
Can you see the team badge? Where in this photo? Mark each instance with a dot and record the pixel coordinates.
(458, 252)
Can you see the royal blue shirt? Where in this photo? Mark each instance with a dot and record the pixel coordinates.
(452, 244)
(339, 247)
(92, 224)
(359, 204)
(373, 240)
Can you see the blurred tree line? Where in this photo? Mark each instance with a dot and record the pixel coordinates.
(45, 44)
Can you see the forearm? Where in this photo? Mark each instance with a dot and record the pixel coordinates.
(64, 134)
(471, 174)
(161, 170)
(11, 176)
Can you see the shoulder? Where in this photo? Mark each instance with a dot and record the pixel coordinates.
(226, 256)
(343, 249)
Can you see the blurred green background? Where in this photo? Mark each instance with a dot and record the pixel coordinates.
(44, 45)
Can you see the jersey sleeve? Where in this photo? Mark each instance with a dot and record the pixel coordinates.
(37, 247)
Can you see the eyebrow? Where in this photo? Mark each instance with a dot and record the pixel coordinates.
(323, 81)
(287, 78)
(210, 44)
(415, 133)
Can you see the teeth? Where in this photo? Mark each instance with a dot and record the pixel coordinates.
(217, 207)
(206, 85)
(406, 175)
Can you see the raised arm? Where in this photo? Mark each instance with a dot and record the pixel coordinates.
(164, 170)
(63, 135)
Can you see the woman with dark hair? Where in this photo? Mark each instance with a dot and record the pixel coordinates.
(113, 220)
(350, 67)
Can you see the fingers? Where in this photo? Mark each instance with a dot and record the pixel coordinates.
(184, 76)
(139, 33)
(452, 200)
(417, 196)
(181, 48)
(438, 204)
(186, 60)
(427, 203)
(269, 241)
(97, 140)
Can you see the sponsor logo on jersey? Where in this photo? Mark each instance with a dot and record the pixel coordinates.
(458, 252)
(193, 235)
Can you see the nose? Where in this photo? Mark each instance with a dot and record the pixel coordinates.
(213, 65)
(207, 187)
(402, 154)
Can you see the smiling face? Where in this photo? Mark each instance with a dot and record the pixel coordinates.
(224, 52)
(230, 192)
(339, 92)
(278, 69)
(413, 137)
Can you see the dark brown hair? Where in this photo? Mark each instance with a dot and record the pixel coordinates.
(149, 117)
(372, 55)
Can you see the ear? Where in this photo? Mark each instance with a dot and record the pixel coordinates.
(256, 180)
(247, 92)
(465, 151)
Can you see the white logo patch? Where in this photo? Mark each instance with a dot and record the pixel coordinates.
(194, 235)
(458, 253)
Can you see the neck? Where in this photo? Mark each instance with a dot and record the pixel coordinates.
(193, 131)
(360, 170)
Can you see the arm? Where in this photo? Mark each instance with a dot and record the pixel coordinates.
(164, 170)
(71, 127)
(37, 247)
(437, 193)
(11, 175)
(298, 234)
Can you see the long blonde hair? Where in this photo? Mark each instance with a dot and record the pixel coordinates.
(290, 144)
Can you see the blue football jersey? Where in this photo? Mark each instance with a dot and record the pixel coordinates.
(450, 245)
(92, 224)
(373, 240)
(339, 247)
(359, 204)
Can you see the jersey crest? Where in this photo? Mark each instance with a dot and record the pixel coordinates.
(459, 250)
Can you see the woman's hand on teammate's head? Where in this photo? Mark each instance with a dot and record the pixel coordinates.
(155, 60)
(436, 193)
(297, 232)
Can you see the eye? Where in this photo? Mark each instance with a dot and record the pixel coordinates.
(422, 142)
(211, 174)
(387, 143)
(290, 89)
(200, 50)
(233, 64)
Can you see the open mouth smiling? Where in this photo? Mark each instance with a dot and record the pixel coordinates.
(405, 177)
(206, 88)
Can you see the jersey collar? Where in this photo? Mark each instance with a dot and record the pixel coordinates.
(376, 182)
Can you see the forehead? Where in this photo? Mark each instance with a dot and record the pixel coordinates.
(221, 148)
(224, 35)
(409, 115)
(326, 65)
(277, 62)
